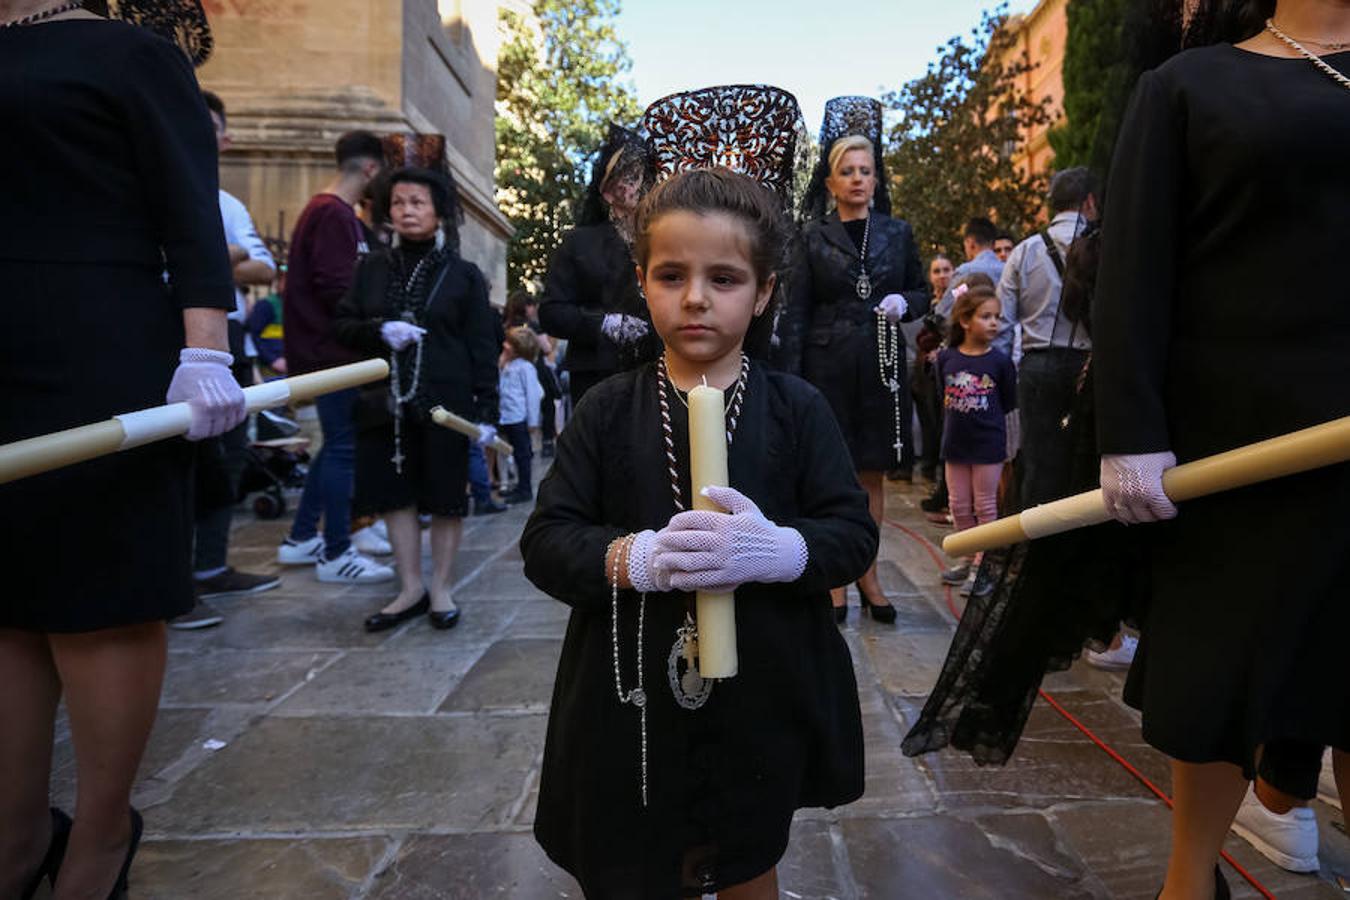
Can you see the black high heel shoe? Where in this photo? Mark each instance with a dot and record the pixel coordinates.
(382, 621)
(56, 851)
(1221, 891)
(880, 612)
(119, 891)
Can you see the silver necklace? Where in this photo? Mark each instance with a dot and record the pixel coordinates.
(864, 283)
(889, 354)
(690, 689)
(396, 393)
(637, 696)
(1313, 58)
(43, 15)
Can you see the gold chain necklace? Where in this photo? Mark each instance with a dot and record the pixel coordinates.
(1307, 54)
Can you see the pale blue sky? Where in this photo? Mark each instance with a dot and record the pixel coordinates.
(817, 49)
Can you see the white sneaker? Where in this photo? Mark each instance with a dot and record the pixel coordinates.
(1327, 791)
(352, 568)
(368, 540)
(1117, 659)
(300, 553)
(1289, 841)
(380, 529)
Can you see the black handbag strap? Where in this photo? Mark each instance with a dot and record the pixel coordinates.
(1053, 250)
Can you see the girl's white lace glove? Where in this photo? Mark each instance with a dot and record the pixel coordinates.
(400, 334)
(204, 382)
(623, 329)
(1132, 487)
(641, 574)
(713, 551)
(894, 306)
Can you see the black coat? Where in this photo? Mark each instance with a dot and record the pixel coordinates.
(784, 733)
(459, 361)
(591, 274)
(829, 336)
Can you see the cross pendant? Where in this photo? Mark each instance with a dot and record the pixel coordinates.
(397, 460)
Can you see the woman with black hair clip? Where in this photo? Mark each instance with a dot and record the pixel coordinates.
(1231, 160)
(426, 308)
(856, 276)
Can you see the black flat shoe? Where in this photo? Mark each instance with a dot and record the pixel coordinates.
(880, 612)
(383, 621)
(56, 851)
(119, 891)
(443, 620)
(841, 613)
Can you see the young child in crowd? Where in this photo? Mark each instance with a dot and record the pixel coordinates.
(979, 389)
(520, 396)
(657, 782)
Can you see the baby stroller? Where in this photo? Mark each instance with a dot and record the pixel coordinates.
(276, 459)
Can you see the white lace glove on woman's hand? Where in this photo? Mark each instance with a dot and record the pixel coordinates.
(400, 334)
(204, 382)
(623, 329)
(894, 306)
(714, 551)
(1132, 487)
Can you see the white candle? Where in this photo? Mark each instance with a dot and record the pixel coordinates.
(708, 466)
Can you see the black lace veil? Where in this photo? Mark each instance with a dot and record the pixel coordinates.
(181, 21)
(845, 117)
(623, 153)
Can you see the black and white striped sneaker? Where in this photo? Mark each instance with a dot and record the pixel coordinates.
(352, 568)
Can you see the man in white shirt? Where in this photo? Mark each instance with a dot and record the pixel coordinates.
(1053, 349)
(221, 461)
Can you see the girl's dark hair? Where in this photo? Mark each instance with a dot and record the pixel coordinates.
(979, 290)
(516, 303)
(720, 190)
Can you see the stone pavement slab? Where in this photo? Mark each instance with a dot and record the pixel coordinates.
(405, 765)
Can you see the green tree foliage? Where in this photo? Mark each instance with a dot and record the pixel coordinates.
(955, 145)
(557, 88)
(1098, 76)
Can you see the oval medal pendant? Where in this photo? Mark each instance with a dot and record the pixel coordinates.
(864, 286)
(690, 689)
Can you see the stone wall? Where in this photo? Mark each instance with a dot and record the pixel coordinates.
(296, 74)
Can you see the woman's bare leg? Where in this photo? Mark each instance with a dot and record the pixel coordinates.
(1207, 796)
(876, 505)
(445, 535)
(28, 713)
(761, 887)
(1340, 766)
(405, 535)
(112, 680)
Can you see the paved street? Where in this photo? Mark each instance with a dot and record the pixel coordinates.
(405, 764)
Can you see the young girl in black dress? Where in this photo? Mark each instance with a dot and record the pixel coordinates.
(657, 783)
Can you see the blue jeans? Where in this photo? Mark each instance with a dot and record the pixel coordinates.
(328, 487)
(480, 488)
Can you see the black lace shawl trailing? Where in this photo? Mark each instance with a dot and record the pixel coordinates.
(1050, 597)
(845, 117)
(634, 157)
(181, 21)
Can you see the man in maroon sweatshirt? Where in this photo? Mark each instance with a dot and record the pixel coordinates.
(327, 242)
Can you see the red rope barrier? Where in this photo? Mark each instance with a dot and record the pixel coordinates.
(1054, 704)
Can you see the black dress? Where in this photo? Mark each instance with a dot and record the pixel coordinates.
(829, 336)
(458, 371)
(1225, 229)
(113, 181)
(784, 733)
(590, 275)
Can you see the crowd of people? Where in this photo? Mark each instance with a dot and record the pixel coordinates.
(1092, 352)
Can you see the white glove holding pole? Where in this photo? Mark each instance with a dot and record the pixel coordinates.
(894, 306)
(204, 382)
(623, 329)
(400, 334)
(1132, 487)
(486, 434)
(717, 552)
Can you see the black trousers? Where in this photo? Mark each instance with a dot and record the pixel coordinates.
(220, 463)
(1046, 383)
(519, 436)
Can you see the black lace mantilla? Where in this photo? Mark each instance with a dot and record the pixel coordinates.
(181, 21)
(633, 158)
(754, 129)
(844, 117)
